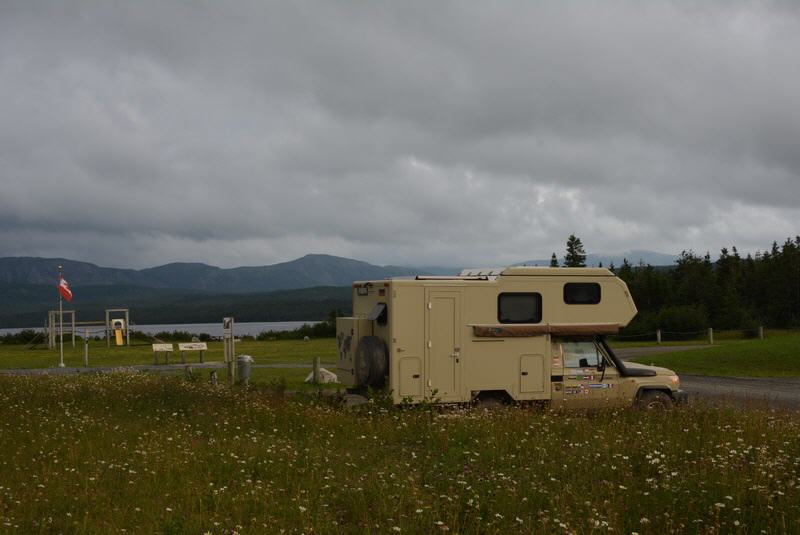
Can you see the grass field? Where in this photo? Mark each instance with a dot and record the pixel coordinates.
(283, 351)
(132, 453)
(268, 352)
(720, 336)
(653, 343)
(775, 356)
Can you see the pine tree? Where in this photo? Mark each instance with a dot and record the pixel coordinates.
(576, 256)
(554, 260)
(625, 271)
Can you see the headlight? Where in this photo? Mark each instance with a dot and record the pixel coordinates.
(676, 382)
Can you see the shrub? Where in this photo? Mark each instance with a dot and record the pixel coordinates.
(323, 329)
(24, 336)
(179, 336)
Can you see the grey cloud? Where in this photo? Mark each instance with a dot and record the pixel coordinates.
(406, 133)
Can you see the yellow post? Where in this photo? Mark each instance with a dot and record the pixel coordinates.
(118, 336)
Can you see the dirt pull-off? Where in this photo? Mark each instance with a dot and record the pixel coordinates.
(777, 391)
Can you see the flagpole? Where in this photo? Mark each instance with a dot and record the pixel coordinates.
(60, 319)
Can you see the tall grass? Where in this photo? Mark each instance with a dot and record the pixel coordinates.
(141, 454)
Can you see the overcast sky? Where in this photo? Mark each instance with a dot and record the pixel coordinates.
(442, 133)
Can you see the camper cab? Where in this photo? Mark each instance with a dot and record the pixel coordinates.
(523, 333)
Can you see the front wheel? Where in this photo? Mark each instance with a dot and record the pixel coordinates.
(654, 400)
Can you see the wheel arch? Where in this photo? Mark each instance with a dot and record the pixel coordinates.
(651, 388)
(500, 395)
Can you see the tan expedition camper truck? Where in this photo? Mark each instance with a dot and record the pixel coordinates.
(523, 333)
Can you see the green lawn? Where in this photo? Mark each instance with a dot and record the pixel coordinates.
(652, 343)
(275, 351)
(720, 336)
(293, 378)
(132, 453)
(268, 352)
(775, 356)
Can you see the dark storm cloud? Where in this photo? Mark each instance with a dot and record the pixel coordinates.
(406, 133)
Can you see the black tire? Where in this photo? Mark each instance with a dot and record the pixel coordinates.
(490, 404)
(372, 361)
(492, 400)
(654, 400)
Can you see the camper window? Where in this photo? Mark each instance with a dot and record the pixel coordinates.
(517, 307)
(581, 293)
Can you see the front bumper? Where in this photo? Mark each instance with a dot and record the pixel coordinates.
(680, 396)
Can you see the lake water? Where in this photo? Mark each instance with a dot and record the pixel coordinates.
(214, 329)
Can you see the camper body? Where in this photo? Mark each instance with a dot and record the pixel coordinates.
(526, 333)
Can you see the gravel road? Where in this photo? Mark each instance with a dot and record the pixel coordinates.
(775, 391)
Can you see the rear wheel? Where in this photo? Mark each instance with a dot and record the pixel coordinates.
(654, 400)
(492, 400)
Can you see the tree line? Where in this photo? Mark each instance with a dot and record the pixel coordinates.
(732, 292)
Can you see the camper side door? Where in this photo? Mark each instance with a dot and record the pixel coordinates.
(443, 343)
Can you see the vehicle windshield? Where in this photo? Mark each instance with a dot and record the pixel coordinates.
(582, 353)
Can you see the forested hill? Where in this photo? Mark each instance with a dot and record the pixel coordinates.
(26, 305)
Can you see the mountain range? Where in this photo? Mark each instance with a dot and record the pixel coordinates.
(308, 271)
(307, 288)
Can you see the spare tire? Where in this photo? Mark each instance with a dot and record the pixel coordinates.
(372, 361)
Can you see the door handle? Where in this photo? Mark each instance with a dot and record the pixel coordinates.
(524, 373)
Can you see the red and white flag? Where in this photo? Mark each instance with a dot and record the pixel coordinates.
(63, 289)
